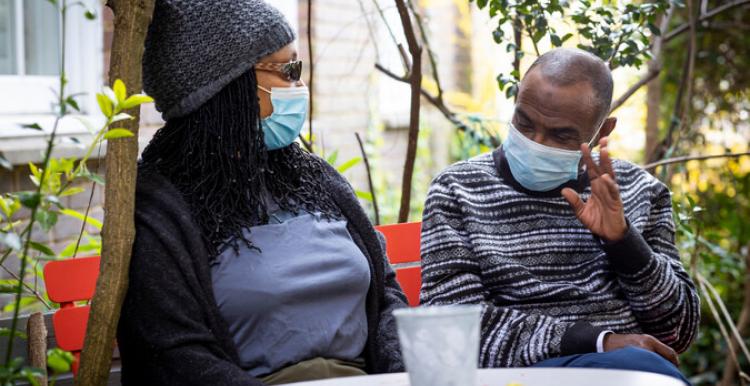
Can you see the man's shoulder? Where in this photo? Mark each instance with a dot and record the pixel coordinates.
(632, 176)
(480, 166)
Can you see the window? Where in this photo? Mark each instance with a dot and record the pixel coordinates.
(29, 38)
(30, 43)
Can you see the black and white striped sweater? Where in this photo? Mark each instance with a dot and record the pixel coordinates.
(548, 285)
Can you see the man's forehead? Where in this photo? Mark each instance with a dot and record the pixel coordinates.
(573, 103)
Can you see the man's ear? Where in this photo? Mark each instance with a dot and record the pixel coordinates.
(607, 127)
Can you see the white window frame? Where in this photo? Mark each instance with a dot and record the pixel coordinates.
(29, 99)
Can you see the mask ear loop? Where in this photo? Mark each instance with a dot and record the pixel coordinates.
(596, 133)
(264, 89)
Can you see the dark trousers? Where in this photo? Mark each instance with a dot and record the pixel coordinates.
(629, 358)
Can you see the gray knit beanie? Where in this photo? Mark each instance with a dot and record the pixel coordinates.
(196, 47)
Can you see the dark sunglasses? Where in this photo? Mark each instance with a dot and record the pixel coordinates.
(292, 71)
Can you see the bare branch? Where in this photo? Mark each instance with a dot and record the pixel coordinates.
(430, 53)
(677, 160)
(650, 75)
(445, 110)
(415, 81)
(369, 178)
(706, 16)
(401, 51)
(370, 30)
(305, 143)
(26, 285)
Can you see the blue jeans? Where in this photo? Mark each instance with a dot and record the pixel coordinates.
(629, 358)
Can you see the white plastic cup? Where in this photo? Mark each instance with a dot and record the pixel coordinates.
(440, 344)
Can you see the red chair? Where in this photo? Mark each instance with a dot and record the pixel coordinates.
(69, 281)
(402, 247)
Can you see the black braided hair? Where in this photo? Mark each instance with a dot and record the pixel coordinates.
(216, 157)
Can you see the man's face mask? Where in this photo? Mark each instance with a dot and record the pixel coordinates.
(283, 126)
(538, 167)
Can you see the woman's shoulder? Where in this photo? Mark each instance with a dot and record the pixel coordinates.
(158, 203)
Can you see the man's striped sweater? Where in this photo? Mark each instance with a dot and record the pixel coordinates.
(548, 285)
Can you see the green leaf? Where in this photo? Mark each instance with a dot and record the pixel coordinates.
(4, 331)
(72, 191)
(55, 200)
(32, 126)
(29, 199)
(136, 100)
(46, 218)
(93, 177)
(348, 164)
(42, 248)
(35, 171)
(556, 41)
(105, 104)
(72, 103)
(120, 91)
(654, 29)
(90, 15)
(121, 117)
(8, 286)
(333, 157)
(89, 220)
(497, 35)
(364, 195)
(118, 133)
(59, 361)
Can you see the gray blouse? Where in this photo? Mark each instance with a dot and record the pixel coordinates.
(301, 296)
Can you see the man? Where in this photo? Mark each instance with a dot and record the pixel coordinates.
(571, 254)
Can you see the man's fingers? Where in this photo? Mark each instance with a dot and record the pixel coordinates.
(612, 189)
(665, 351)
(605, 162)
(573, 199)
(591, 168)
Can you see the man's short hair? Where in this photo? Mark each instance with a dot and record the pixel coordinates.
(568, 66)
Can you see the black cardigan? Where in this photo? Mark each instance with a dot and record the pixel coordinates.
(170, 330)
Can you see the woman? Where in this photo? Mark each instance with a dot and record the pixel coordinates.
(253, 261)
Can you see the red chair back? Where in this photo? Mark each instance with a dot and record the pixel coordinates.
(69, 281)
(403, 250)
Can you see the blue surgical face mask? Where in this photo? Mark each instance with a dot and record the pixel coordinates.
(283, 126)
(538, 167)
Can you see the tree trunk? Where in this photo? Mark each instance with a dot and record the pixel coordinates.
(730, 370)
(36, 332)
(131, 23)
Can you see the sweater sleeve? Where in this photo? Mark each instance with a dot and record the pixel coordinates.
(451, 274)
(163, 335)
(660, 292)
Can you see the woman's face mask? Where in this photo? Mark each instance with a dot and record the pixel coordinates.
(284, 125)
(538, 167)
